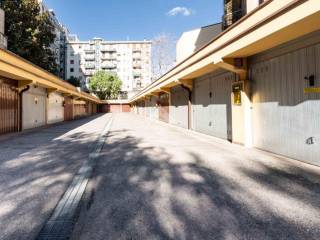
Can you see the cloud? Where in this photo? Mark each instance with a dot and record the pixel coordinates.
(180, 10)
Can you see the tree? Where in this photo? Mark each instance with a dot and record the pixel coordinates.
(30, 33)
(163, 53)
(74, 81)
(105, 85)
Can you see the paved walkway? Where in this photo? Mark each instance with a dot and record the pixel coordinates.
(35, 170)
(157, 182)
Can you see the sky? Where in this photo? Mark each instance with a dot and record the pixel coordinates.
(134, 19)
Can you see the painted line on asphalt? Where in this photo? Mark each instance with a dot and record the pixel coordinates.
(61, 223)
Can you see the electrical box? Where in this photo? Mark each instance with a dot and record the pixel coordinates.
(237, 88)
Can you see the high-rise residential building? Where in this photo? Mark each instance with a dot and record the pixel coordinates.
(3, 38)
(58, 47)
(131, 60)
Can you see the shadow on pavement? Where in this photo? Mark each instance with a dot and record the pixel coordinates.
(139, 192)
(35, 169)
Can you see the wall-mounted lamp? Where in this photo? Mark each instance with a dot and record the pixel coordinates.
(36, 100)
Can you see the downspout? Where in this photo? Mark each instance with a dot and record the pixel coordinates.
(20, 109)
(189, 105)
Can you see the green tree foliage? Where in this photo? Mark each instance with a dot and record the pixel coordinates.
(30, 34)
(74, 81)
(105, 85)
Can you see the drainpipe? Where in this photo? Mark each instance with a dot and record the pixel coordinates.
(189, 104)
(20, 109)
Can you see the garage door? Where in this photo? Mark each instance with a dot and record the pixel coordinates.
(68, 109)
(151, 108)
(55, 108)
(141, 108)
(285, 119)
(164, 107)
(212, 104)
(34, 107)
(115, 108)
(179, 107)
(9, 110)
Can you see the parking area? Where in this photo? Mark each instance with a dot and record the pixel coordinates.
(154, 181)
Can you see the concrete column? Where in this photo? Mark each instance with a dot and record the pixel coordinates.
(241, 112)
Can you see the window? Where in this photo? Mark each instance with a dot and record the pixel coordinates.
(71, 61)
(71, 69)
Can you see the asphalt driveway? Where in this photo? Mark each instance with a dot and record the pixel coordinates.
(36, 167)
(158, 182)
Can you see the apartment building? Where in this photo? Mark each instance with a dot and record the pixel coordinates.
(59, 45)
(3, 38)
(131, 60)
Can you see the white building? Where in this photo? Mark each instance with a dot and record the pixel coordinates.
(58, 47)
(193, 40)
(131, 60)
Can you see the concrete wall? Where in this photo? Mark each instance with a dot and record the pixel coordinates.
(34, 107)
(55, 108)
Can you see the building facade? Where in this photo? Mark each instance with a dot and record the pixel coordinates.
(236, 9)
(193, 40)
(3, 39)
(131, 60)
(59, 45)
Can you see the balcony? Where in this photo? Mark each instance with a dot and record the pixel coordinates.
(137, 76)
(89, 51)
(89, 57)
(108, 50)
(89, 72)
(3, 41)
(89, 66)
(232, 17)
(109, 66)
(137, 65)
(109, 57)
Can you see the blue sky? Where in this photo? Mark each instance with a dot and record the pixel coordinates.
(134, 19)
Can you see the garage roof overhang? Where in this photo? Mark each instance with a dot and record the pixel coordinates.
(17, 68)
(273, 23)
